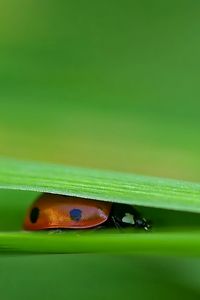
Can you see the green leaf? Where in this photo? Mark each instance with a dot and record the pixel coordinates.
(100, 185)
(163, 243)
(106, 186)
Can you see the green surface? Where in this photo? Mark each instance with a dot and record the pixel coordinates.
(96, 184)
(186, 244)
(108, 85)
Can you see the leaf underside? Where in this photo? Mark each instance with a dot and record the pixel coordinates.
(100, 185)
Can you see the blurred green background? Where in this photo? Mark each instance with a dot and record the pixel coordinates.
(108, 85)
(111, 85)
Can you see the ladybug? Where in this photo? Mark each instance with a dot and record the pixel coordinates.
(52, 211)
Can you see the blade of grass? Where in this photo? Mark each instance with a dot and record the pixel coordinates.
(100, 185)
(164, 243)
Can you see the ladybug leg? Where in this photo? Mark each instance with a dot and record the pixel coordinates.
(113, 222)
(55, 231)
(116, 223)
(98, 227)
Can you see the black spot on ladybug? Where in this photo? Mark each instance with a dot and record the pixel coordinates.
(75, 214)
(34, 215)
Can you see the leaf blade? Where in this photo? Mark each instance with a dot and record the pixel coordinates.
(155, 243)
(100, 185)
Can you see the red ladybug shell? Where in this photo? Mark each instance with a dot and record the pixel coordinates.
(51, 211)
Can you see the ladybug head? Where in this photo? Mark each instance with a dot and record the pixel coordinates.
(142, 223)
